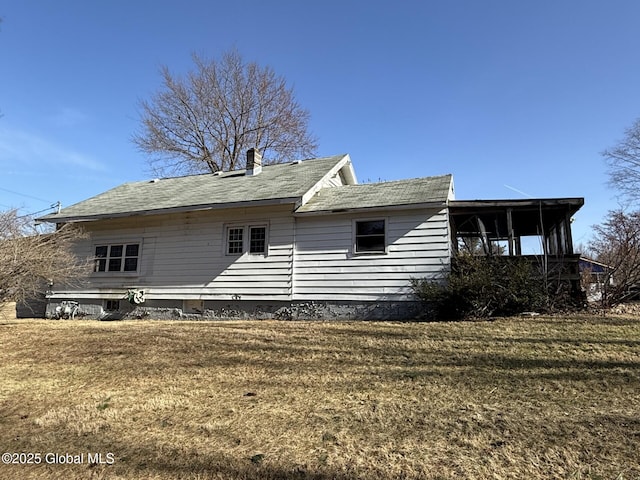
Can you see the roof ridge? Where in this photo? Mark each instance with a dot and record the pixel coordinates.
(434, 190)
(402, 180)
(239, 170)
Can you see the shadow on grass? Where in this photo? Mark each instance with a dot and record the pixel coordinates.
(257, 467)
(503, 362)
(347, 352)
(287, 360)
(161, 460)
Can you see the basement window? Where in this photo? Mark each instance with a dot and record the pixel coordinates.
(112, 305)
(370, 236)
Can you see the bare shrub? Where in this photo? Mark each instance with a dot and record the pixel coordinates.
(616, 244)
(30, 260)
(483, 286)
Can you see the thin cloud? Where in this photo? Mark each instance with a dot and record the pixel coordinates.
(26, 148)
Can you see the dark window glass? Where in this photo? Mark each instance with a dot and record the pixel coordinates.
(258, 240)
(131, 264)
(131, 257)
(375, 227)
(117, 258)
(112, 305)
(370, 236)
(101, 259)
(115, 264)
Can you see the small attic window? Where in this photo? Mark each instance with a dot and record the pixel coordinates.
(296, 162)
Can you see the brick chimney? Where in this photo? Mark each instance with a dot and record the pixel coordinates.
(254, 162)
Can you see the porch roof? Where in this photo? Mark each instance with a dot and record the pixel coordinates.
(528, 215)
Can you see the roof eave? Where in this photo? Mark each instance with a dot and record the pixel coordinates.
(521, 201)
(572, 203)
(386, 208)
(166, 211)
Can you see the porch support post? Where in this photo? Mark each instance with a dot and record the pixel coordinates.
(510, 232)
(569, 237)
(453, 232)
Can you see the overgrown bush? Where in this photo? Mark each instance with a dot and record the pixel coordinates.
(30, 260)
(483, 286)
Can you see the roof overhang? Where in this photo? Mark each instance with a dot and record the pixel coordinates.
(572, 204)
(166, 211)
(375, 208)
(520, 217)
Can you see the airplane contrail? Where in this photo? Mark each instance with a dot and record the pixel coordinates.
(518, 191)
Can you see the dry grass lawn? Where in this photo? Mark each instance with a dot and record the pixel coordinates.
(514, 398)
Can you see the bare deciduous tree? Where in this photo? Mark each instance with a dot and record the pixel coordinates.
(206, 121)
(617, 244)
(29, 260)
(624, 163)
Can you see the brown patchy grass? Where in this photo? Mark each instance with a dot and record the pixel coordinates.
(7, 311)
(513, 398)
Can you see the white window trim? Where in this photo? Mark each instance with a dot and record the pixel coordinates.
(354, 231)
(246, 238)
(124, 243)
(225, 243)
(265, 252)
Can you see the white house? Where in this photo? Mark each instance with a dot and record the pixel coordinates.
(295, 240)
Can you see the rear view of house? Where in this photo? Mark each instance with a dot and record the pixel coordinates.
(295, 240)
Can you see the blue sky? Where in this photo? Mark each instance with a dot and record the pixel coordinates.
(514, 98)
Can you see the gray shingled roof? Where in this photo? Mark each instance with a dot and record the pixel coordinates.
(386, 194)
(283, 182)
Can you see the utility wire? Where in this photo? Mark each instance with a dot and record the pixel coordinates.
(54, 206)
(25, 195)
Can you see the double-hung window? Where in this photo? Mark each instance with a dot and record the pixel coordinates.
(235, 240)
(258, 240)
(250, 239)
(120, 257)
(370, 236)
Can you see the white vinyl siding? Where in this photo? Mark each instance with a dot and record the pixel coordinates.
(184, 256)
(328, 268)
